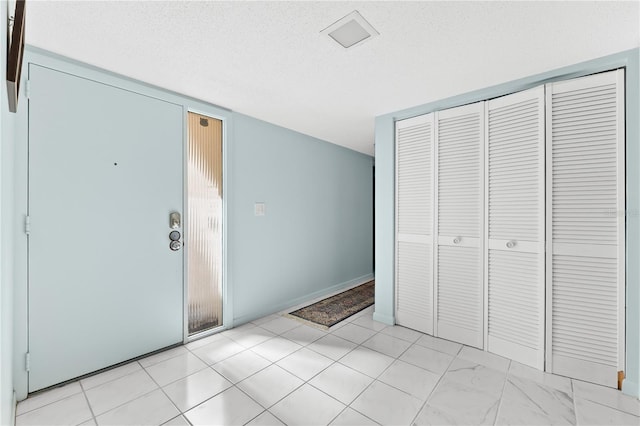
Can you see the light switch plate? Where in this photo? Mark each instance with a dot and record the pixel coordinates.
(259, 209)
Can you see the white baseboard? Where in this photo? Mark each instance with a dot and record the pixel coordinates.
(14, 407)
(385, 319)
(631, 388)
(300, 302)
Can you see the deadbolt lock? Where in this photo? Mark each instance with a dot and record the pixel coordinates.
(175, 222)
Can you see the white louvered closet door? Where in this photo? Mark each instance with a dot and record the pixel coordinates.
(585, 204)
(516, 226)
(414, 223)
(459, 222)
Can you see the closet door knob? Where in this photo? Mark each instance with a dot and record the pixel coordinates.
(511, 244)
(457, 240)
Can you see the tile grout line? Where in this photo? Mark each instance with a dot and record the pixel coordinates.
(426, 401)
(318, 373)
(93, 415)
(48, 403)
(84, 391)
(312, 377)
(333, 397)
(609, 407)
(158, 353)
(184, 417)
(289, 393)
(362, 414)
(307, 345)
(375, 379)
(267, 408)
(111, 380)
(235, 385)
(573, 398)
(349, 407)
(504, 385)
(257, 415)
(181, 378)
(346, 407)
(337, 360)
(165, 394)
(126, 402)
(182, 413)
(252, 374)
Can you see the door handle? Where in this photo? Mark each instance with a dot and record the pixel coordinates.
(174, 220)
(511, 244)
(174, 236)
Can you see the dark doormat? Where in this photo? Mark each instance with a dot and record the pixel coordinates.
(334, 309)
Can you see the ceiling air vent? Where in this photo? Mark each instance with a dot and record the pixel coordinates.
(351, 30)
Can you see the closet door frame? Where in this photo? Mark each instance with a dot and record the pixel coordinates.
(620, 212)
(521, 246)
(429, 240)
(478, 242)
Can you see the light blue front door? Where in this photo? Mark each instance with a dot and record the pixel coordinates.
(105, 173)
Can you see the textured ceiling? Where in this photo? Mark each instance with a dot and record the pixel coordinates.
(269, 60)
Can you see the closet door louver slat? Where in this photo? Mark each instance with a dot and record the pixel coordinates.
(459, 222)
(585, 204)
(414, 223)
(515, 227)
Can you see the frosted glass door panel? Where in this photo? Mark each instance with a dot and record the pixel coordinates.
(204, 237)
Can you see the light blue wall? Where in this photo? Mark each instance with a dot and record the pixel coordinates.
(6, 240)
(631, 385)
(385, 225)
(385, 177)
(315, 238)
(316, 235)
(19, 158)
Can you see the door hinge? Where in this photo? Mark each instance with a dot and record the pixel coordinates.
(621, 378)
(27, 225)
(27, 90)
(27, 361)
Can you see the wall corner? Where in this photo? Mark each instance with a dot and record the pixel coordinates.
(384, 219)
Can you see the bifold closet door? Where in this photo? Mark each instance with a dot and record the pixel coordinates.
(414, 223)
(585, 204)
(459, 222)
(515, 226)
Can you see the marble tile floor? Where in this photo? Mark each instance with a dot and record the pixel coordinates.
(277, 371)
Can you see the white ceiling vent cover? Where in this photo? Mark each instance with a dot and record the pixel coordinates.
(351, 30)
